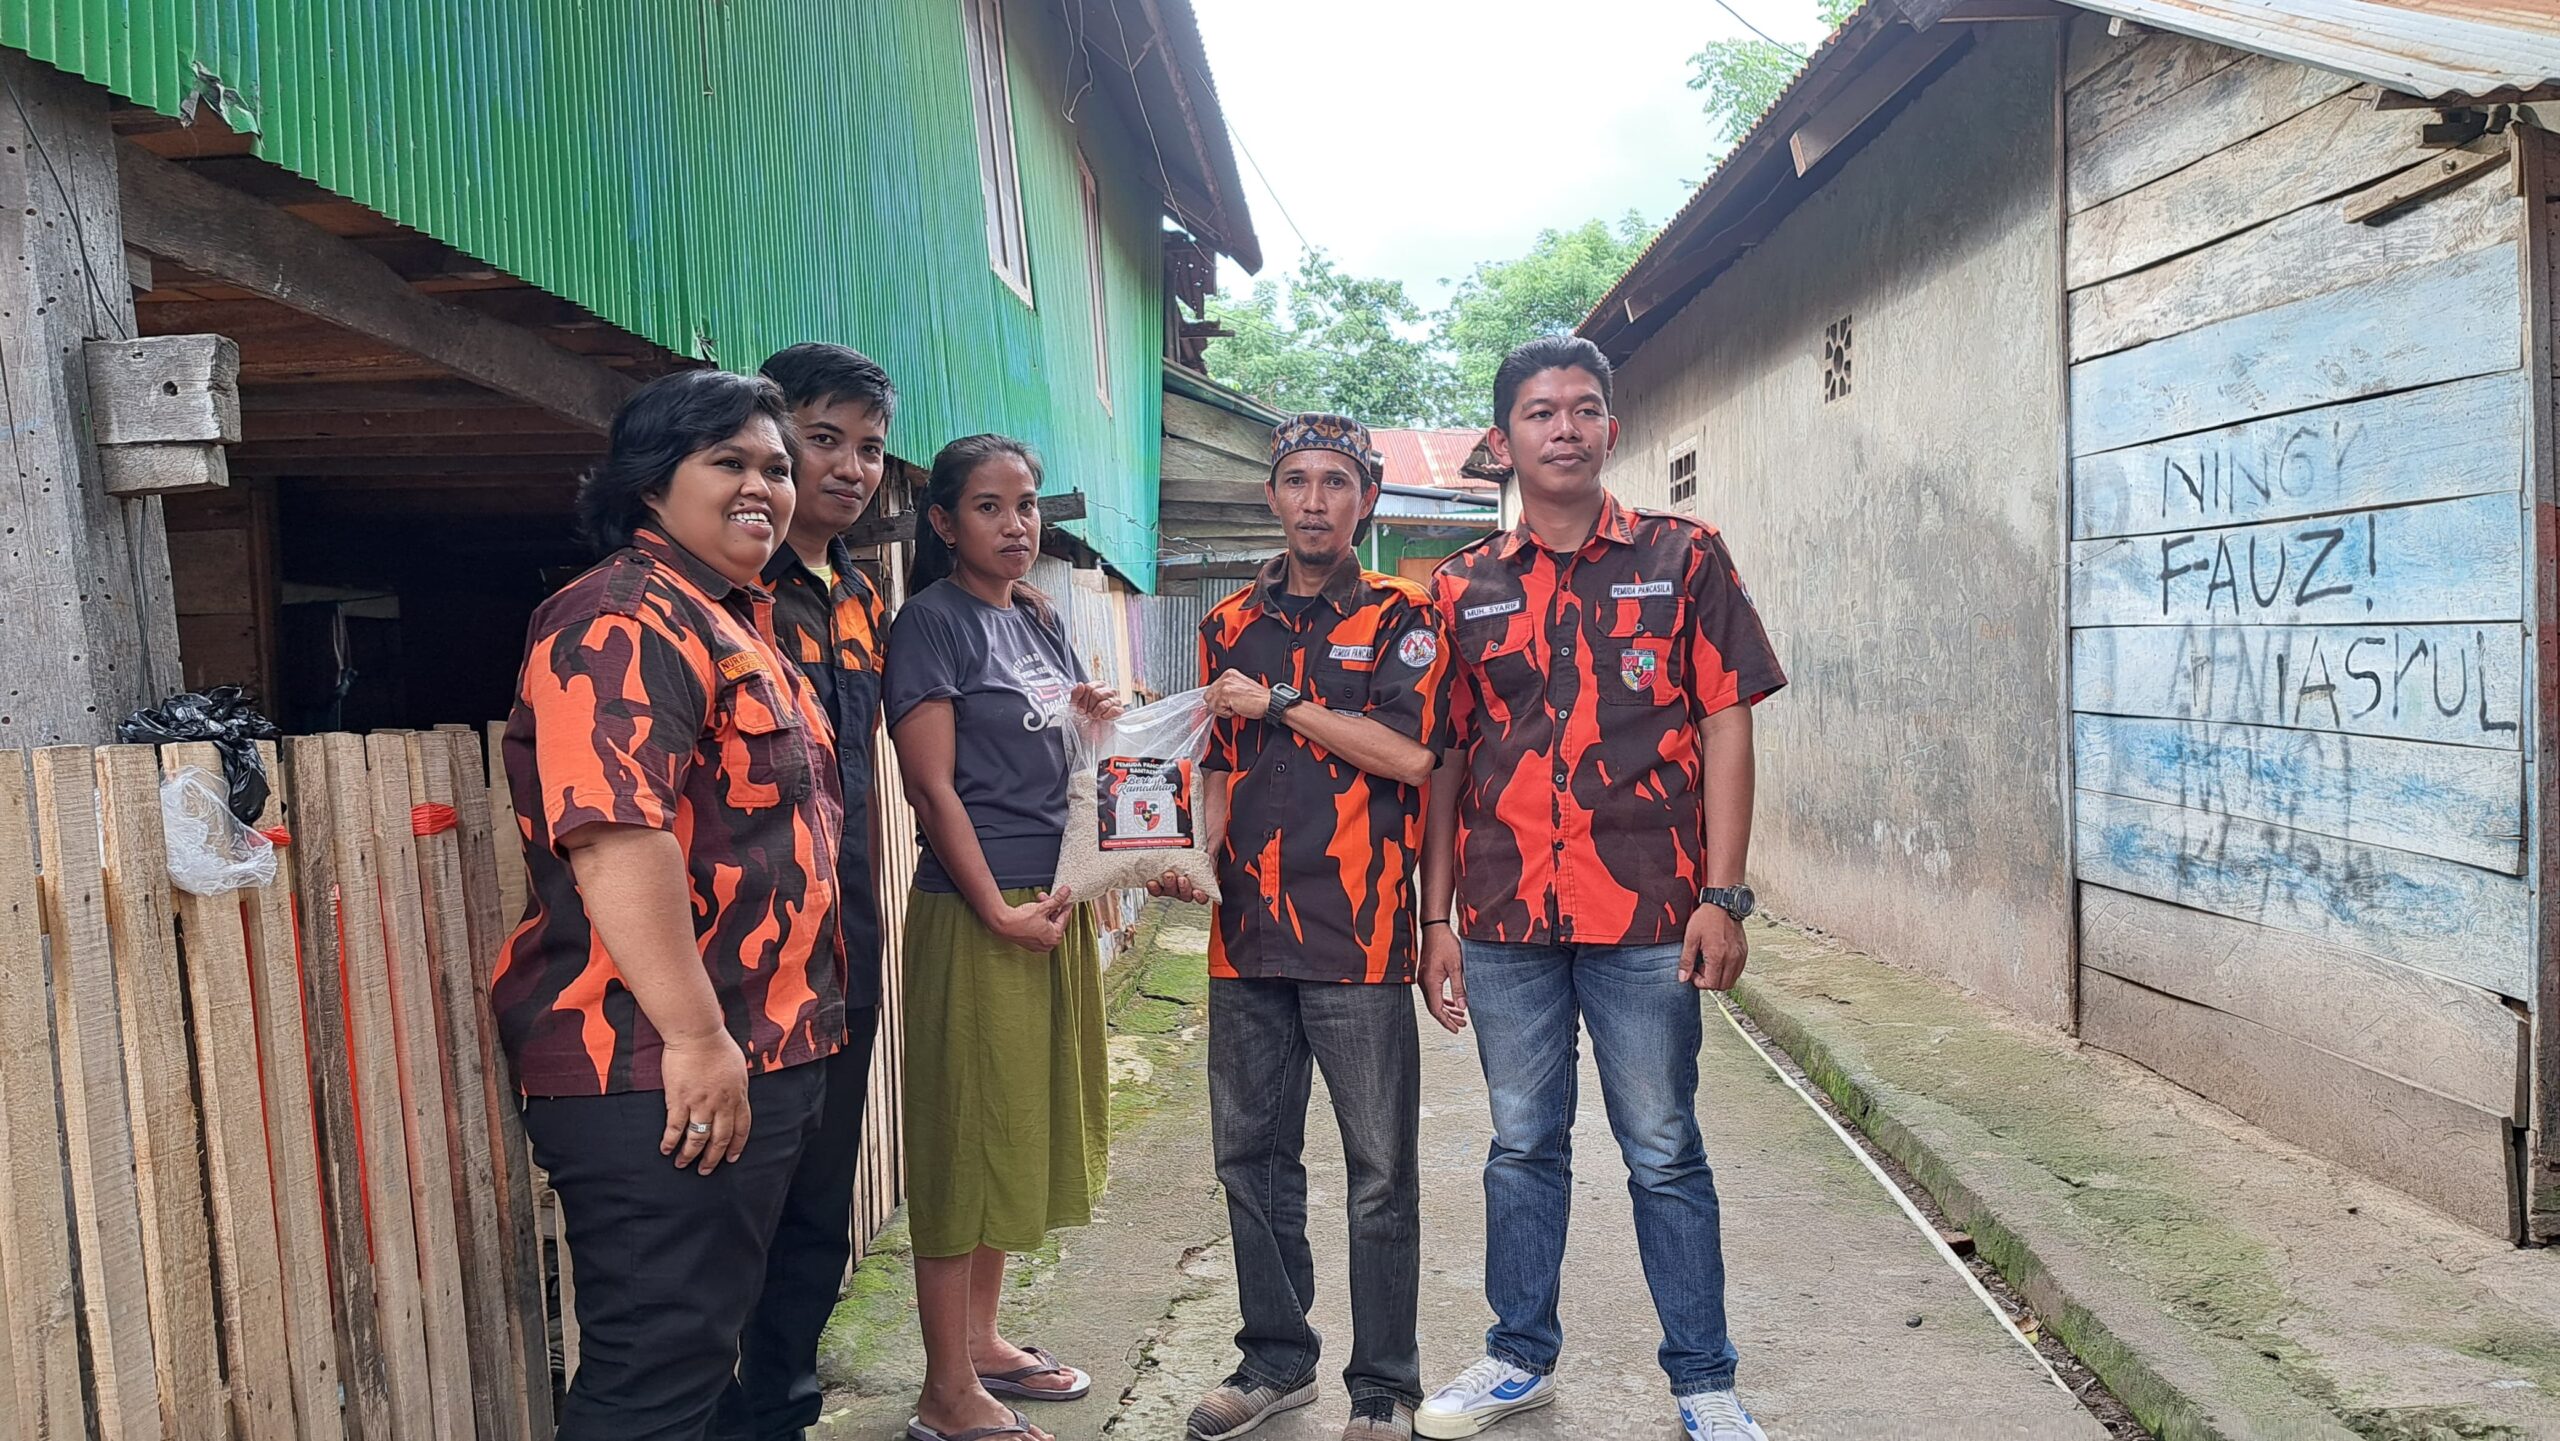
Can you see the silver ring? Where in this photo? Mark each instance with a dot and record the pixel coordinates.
(699, 1128)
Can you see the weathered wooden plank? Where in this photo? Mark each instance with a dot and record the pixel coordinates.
(2453, 920)
(222, 1008)
(373, 1052)
(1233, 435)
(483, 830)
(2458, 1041)
(168, 1146)
(2249, 95)
(499, 1382)
(2457, 803)
(105, 1202)
(2446, 560)
(2440, 443)
(2135, 76)
(312, 802)
(2311, 251)
(502, 809)
(2091, 47)
(2447, 321)
(293, 1155)
(35, 1223)
(420, 1095)
(2443, 1152)
(2324, 152)
(2461, 685)
(2452, 169)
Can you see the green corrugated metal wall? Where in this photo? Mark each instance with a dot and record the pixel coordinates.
(722, 176)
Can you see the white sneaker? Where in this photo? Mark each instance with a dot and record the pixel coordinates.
(1482, 1394)
(1718, 1416)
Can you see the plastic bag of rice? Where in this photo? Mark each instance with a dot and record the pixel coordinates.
(1137, 800)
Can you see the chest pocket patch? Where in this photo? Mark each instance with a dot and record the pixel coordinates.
(764, 749)
(1638, 658)
(1341, 674)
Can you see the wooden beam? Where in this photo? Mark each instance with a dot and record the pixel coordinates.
(1849, 111)
(235, 238)
(2459, 167)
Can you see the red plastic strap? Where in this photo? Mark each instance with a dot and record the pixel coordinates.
(431, 819)
(277, 836)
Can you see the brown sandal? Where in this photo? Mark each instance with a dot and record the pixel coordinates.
(1009, 1383)
(918, 1431)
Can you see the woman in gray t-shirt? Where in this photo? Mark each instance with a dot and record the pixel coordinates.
(1007, 1084)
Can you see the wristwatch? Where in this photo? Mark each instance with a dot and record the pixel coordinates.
(1283, 696)
(1734, 901)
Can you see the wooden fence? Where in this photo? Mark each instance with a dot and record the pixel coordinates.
(299, 1202)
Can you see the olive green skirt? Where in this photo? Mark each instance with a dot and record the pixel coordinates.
(1008, 1084)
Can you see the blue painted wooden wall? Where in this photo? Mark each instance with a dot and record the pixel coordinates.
(2297, 582)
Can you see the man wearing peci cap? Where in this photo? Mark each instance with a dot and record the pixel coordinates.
(1328, 702)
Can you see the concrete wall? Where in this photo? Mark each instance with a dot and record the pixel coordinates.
(1902, 541)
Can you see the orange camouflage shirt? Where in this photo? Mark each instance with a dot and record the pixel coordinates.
(1579, 685)
(654, 694)
(1317, 868)
(834, 631)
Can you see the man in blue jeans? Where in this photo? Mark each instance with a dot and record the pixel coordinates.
(1590, 820)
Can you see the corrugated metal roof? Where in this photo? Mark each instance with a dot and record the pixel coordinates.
(1429, 457)
(2434, 49)
(2443, 50)
(728, 179)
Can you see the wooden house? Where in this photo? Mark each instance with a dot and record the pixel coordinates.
(2135, 420)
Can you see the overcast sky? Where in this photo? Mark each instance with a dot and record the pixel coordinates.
(1413, 138)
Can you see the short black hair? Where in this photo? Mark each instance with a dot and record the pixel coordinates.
(1547, 352)
(664, 421)
(816, 373)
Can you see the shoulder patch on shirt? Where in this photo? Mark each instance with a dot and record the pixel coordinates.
(1418, 648)
(738, 665)
(1352, 652)
(1499, 607)
(1640, 589)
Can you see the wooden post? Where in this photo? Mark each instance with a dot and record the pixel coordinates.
(167, 1139)
(88, 626)
(373, 1057)
(484, 830)
(293, 1152)
(364, 1369)
(454, 994)
(35, 1224)
(221, 1005)
(87, 1037)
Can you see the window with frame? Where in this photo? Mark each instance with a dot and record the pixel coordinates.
(1093, 270)
(999, 176)
(1684, 475)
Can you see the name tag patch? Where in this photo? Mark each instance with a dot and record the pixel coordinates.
(1640, 589)
(1353, 652)
(1499, 607)
(738, 665)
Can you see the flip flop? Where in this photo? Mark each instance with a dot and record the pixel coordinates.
(918, 1431)
(1009, 1383)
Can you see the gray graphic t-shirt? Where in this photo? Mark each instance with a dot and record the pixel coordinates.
(1007, 675)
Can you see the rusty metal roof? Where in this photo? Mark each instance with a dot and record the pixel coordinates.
(2439, 50)
(2433, 49)
(1429, 457)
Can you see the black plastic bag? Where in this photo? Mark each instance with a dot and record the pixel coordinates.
(223, 716)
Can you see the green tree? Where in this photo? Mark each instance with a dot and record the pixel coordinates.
(1740, 79)
(1332, 341)
(1545, 292)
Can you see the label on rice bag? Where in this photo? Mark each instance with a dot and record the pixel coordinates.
(1142, 804)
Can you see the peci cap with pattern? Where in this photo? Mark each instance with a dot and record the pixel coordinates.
(1315, 430)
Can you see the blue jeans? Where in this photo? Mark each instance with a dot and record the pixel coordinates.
(1645, 1031)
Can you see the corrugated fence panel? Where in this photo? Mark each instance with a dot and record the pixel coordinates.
(724, 179)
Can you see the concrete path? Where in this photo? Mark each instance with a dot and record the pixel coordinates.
(1848, 1322)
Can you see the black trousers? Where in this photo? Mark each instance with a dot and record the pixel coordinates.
(777, 1395)
(1265, 1039)
(668, 1263)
